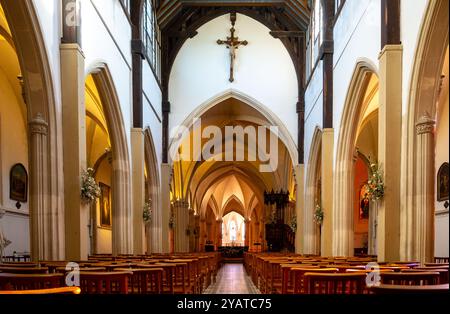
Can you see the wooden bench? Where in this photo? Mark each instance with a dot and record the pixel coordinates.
(410, 278)
(402, 289)
(335, 283)
(10, 281)
(145, 280)
(104, 282)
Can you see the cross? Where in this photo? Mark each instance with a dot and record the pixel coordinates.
(232, 43)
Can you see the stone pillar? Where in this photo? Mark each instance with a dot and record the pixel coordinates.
(373, 222)
(191, 227)
(181, 212)
(138, 183)
(74, 150)
(389, 151)
(247, 232)
(40, 213)
(162, 214)
(197, 233)
(219, 233)
(424, 212)
(299, 208)
(203, 235)
(329, 243)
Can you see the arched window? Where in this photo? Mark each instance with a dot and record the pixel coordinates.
(151, 37)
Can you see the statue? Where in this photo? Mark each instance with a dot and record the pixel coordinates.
(4, 242)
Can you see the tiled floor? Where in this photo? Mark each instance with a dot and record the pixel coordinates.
(232, 279)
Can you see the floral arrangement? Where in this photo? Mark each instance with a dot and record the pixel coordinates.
(147, 214)
(90, 190)
(293, 223)
(375, 184)
(318, 215)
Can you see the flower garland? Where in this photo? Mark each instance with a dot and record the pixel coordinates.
(375, 184)
(90, 190)
(318, 215)
(293, 223)
(147, 214)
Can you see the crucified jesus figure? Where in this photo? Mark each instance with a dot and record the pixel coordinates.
(232, 43)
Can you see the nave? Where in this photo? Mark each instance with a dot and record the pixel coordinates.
(232, 279)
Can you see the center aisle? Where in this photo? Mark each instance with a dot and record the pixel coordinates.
(232, 279)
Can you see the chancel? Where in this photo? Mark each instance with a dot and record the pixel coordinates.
(135, 160)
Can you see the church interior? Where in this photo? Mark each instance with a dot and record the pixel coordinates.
(224, 147)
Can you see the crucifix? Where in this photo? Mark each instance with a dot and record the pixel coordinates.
(232, 43)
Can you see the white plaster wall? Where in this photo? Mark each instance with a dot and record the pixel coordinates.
(105, 47)
(412, 15)
(313, 110)
(13, 149)
(152, 114)
(264, 71)
(357, 37)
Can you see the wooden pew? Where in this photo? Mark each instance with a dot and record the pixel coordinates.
(104, 282)
(410, 278)
(335, 283)
(10, 281)
(402, 289)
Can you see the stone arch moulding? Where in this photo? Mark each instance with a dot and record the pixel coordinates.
(45, 147)
(423, 94)
(342, 218)
(121, 176)
(284, 134)
(310, 231)
(155, 241)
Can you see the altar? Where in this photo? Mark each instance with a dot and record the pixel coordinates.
(233, 251)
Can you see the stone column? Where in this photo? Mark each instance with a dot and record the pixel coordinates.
(389, 151)
(299, 208)
(424, 212)
(138, 191)
(162, 214)
(181, 212)
(203, 234)
(373, 222)
(219, 232)
(247, 232)
(331, 238)
(40, 213)
(191, 227)
(74, 150)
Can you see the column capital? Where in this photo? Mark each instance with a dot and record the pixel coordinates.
(425, 124)
(38, 125)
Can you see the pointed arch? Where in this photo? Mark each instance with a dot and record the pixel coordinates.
(423, 95)
(342, 218)
(154, 193)
(273, 120)
(45, 146)
(121, 180)
(311, 245)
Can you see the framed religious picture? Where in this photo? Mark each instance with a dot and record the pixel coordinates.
(364, 203)
(105, 205)
(18, 183)
(442, 183)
